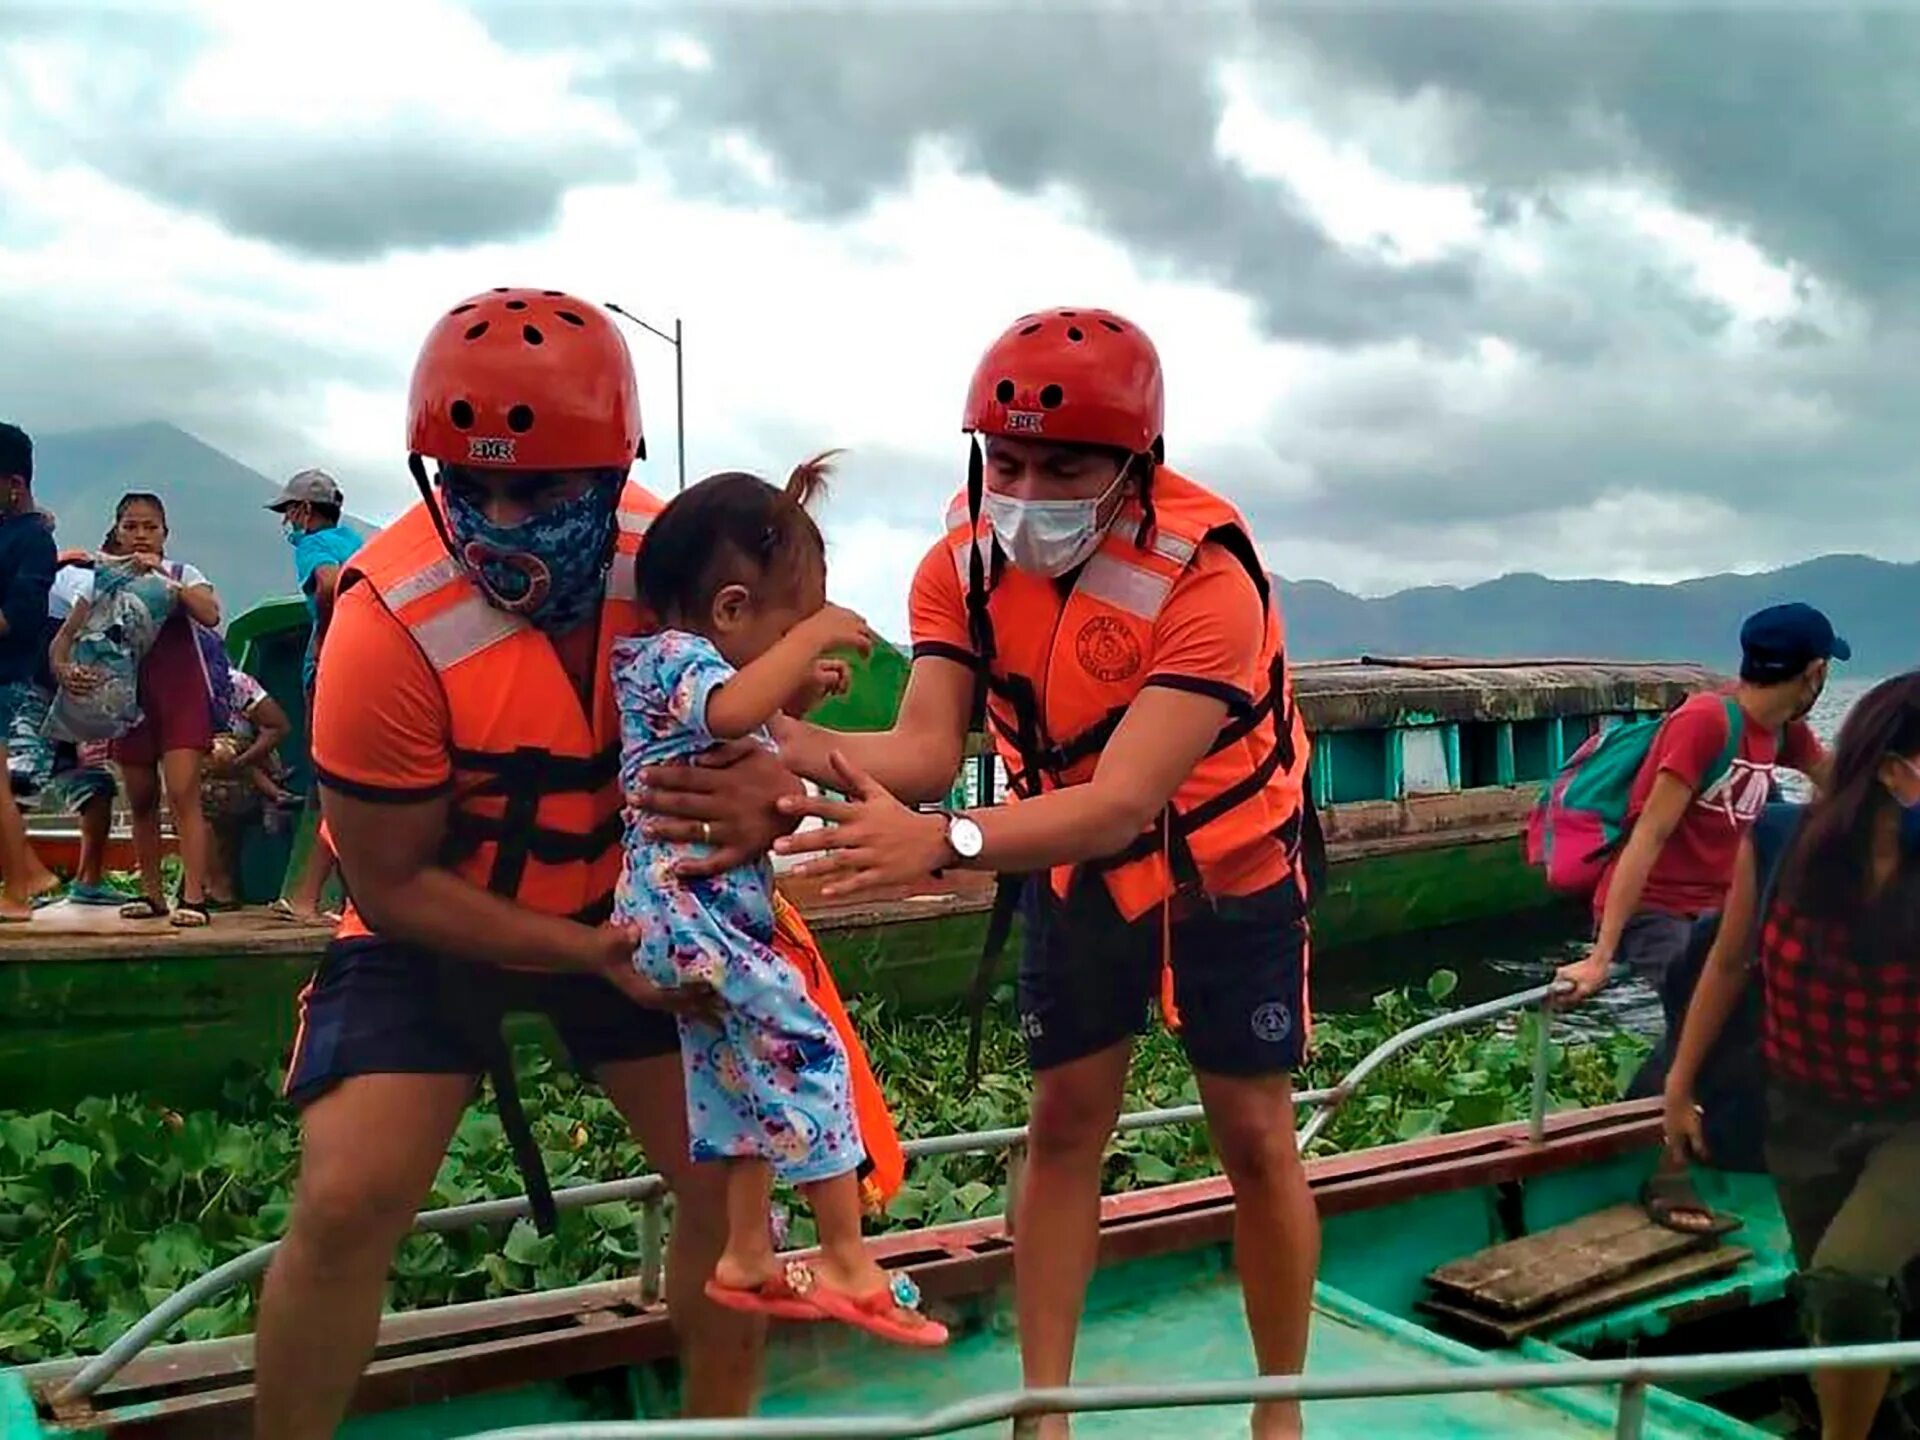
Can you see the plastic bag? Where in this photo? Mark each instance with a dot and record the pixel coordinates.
(123, 619)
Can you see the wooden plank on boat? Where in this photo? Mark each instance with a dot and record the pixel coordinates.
(1686, 1269)
(1534, 1272)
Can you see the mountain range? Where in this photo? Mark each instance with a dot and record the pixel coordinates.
(215, 507)
(1872, 603)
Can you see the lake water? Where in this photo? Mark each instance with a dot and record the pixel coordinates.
(1514, 952)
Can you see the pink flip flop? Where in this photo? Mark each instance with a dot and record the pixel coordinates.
(779, 1297)
(881, 1312)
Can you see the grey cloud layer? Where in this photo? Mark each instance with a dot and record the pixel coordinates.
(1794, 128)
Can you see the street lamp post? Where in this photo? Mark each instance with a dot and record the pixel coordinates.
(679, 383)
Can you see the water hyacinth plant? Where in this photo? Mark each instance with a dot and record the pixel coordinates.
(106, 1209)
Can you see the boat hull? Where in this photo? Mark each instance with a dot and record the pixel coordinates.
(599, 1352)
(120, 1008)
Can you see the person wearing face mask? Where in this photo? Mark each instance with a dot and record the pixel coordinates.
(309, 506)
(1672, 873)
(1836, 938)
(467, 745)
(26, 575)
(1117, 621)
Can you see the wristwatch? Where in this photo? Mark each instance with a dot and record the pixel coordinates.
(963, 837)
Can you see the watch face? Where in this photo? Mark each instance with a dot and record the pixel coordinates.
(965, 837)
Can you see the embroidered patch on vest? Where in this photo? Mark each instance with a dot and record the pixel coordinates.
(1107, 649)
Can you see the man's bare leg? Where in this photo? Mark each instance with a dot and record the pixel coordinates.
(307, 893)
(368, 1154)
(1056, 1237)
(96, 828)
(1276, 1226)
(721, 1350)
(21, 871)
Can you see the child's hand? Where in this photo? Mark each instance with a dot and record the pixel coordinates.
(834, 627)
(830, 677)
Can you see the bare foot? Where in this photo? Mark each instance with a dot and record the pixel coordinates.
(12, 909)
(1277, 1420)
(41, 881)
(745, 1271)
(857, 1276)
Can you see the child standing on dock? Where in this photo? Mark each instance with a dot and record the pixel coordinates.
(734, 571)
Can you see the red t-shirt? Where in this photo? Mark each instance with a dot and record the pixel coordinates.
(1694, 869)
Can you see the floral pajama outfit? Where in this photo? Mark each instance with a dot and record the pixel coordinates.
(771, 1080)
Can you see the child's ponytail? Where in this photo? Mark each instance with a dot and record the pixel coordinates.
(808, 482)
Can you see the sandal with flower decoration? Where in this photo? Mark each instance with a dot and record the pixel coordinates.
(892, 1314)
(779, 1297)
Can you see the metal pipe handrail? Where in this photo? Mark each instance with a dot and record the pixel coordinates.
(1633, 1375)
(652, 1188)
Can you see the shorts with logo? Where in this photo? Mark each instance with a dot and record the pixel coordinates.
(376, 1007)
(1087, 979)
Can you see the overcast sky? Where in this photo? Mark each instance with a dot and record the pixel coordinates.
(1616, 292)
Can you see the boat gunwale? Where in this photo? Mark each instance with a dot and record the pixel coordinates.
(605, 1328)
(1393, 694)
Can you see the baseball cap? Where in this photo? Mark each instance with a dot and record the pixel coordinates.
(309, 487)
(1780, 641)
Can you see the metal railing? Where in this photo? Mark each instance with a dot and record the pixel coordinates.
(1633, 1376)
(651, 1190)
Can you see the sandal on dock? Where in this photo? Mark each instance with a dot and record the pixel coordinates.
(101, 895)
(190, 915)
(1667, 1195)
(145, 908)
(892, 1314)
(282, 909)
(776, 1297)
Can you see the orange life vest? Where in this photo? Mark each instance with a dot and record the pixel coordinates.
(1064, 667)
(536, 808)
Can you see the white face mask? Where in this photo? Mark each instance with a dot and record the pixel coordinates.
(1050, 537)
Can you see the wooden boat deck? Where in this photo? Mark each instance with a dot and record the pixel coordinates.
(1191, 1327)
(96, 932)
(1165, 1304)
(65, 931)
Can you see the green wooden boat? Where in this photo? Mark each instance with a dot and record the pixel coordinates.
(1701, 1344)
(1423, 771)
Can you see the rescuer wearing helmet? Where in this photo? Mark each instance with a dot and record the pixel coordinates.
(1123, 634)
(467, 746)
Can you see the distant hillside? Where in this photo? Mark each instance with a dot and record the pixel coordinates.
(1873, 603)
(215, 505)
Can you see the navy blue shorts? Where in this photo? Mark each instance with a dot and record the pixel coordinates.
(375, 1007)
(1088, 979)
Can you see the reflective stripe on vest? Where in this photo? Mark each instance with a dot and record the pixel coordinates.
(1066, 669)
(536, 809)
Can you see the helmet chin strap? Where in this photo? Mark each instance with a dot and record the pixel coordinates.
(432, 502)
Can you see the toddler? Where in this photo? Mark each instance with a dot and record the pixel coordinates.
(734, 573)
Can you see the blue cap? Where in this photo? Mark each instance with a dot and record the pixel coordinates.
(1780, 641)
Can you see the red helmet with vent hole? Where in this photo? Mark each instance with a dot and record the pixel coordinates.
(525, 380)
(1082, 377)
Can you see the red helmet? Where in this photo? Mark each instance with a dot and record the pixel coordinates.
(525, 380)
(1084, 377)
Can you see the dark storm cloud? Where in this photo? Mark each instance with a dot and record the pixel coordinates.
(353, 195)
(359, 200)
(1118, 106)
(1796, 124)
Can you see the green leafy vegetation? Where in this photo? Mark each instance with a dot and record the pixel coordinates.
(107, 1209)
